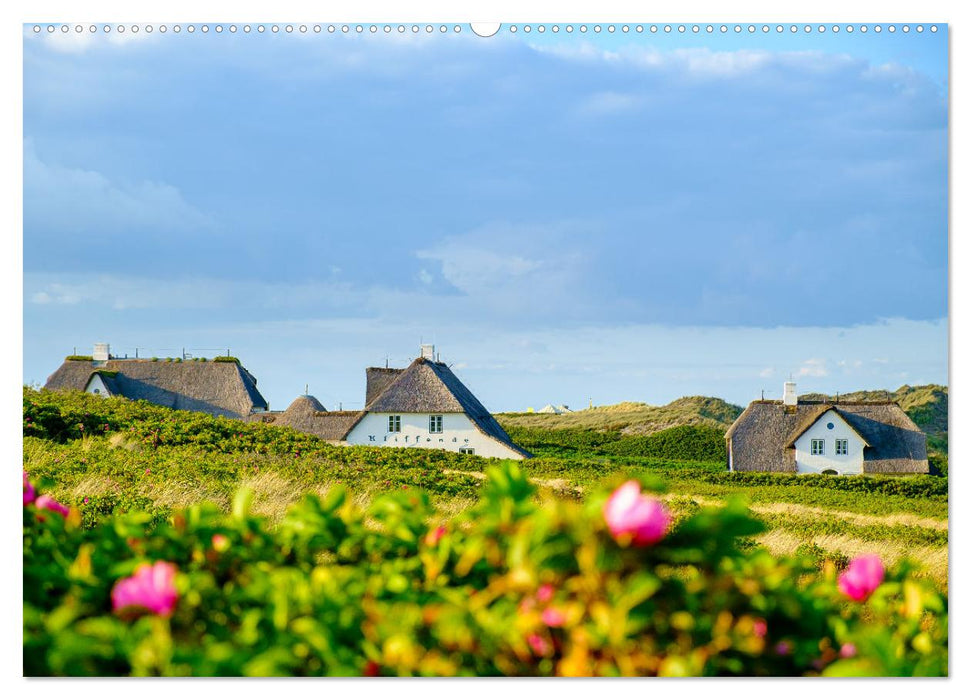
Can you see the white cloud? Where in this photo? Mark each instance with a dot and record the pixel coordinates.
(767, 372)
(73, 41)
(814, 367)
(78, 201)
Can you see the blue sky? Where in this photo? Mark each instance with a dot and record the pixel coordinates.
(570, 218)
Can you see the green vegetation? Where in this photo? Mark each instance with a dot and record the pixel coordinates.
(79, 358)
(226, 358)
(111, 456)
(683, 442)
(514, 585)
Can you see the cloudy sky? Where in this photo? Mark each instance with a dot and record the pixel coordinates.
(569, 217)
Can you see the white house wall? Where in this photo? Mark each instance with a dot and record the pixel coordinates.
(850, 463)
(457, 431)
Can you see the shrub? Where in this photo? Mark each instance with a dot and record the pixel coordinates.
(79, 358)
(513, 587)
(226, 358)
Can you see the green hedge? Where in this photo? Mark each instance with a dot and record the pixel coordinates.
(513, 587)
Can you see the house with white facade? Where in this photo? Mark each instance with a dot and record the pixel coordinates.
(826, 437)
(422, 406)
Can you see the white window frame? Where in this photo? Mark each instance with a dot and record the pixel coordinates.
(817, 446)
(436, 424)
(842, 446)
(466, 450)
(394, 424)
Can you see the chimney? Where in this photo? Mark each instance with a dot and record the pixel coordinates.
(789, 397)
(428, 352)
(101, 352)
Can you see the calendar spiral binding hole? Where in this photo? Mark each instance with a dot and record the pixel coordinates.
(376, 29)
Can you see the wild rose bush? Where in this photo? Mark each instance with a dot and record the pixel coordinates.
(511, 587)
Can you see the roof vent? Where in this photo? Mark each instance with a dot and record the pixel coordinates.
(101, 352)
(428, 352)
(789, 397)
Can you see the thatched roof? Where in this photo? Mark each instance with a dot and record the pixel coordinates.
(218, 388)
(431, 387)
(378, 379)
(308, 415)
(763, 437)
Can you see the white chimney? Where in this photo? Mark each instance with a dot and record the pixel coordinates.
(428, 352)
(789, 397)
(101, 352)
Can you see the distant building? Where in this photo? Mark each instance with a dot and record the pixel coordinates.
(550, 408)
(825, 437)
(423, 405)
(220, 388)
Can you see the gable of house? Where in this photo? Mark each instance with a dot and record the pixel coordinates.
(763, 437)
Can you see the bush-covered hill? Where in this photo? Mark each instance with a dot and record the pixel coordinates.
(927, 406)
(632, 418)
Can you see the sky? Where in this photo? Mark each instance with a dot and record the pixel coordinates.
(570, 218)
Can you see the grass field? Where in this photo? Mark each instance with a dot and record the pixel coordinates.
(136, 456)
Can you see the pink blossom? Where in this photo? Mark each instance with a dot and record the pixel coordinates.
(539, 645)
(862, 577)
(553, 617)
(29, 493)
(433, 536)
(759, 628)
(848, 650)
(545, 593)
(151, 588)
(631, 515)
(783, 648)
(220, 542)
(45, 502)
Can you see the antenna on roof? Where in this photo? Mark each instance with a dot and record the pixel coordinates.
(306, 390)
(75, 350)
(387, 360)
(763, 394)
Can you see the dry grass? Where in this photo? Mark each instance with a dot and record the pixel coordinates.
(933, 560)
(798, 510)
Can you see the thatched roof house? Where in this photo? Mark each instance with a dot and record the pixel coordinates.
(218, 388)
(439, 411)
(826, 437)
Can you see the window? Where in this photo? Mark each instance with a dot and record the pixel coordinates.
(842, 447)
(466, 450)
(817, 447)
(434, 424)
(394, 424)
(830, 472)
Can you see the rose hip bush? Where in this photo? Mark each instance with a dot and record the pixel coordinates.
(513, 586)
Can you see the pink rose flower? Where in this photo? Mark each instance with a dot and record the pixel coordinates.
(783, 648)
(539, 645)
(433, 536)
(151, 588)
(631, 515)
(545, 593)
(848, 650)
(863, 576)
(220, 542)
(29, 493)
(45, 502)
(759, 628)
(553, 617)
